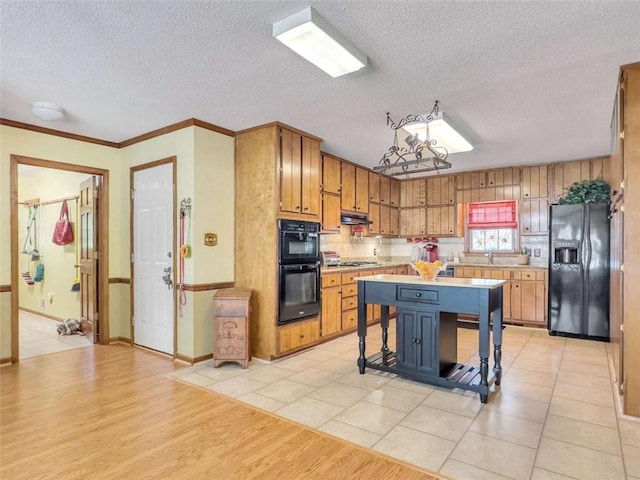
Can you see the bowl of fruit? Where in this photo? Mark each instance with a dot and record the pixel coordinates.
(428, 270)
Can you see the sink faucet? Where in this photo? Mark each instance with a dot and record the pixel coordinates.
(489, 256)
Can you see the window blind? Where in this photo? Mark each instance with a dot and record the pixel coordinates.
(492, 214)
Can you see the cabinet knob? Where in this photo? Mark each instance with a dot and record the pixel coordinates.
(306, 208)
(418, 294)
(297, 207)
(418, 341)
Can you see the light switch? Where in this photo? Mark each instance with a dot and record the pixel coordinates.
(210, 239)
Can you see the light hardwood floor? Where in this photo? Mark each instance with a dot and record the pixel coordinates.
(109, 412)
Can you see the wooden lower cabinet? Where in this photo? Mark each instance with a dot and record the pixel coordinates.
(298, 335)
(331, 313)
(350, 319)
(524, 296)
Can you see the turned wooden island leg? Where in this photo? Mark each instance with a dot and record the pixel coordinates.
(362, 327)
(497, 342)
(483, 347)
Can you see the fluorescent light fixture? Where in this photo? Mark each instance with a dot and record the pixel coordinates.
(311, 37)
(46, 111)
(442, 132)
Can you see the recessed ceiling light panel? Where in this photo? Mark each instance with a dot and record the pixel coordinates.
(442, 132)
(311, 37)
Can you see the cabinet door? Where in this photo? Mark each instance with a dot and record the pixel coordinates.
(385, 220)
(394, 221)
(385, 190)
(362, 190)
(348, 188)
(330, 212)
(506, 300)
(533, 302)
(534, 182)
(394, 192)
(419, 193)
(374, 217)
(516, 300)
(534, 216)
(374, 187)
(416, 347)
(406, 222)
(433, 221)
(350, 319)
(330, 174)
(290, 172)
(433, 191)
(419, 221)
(310, 184)
(331, 313)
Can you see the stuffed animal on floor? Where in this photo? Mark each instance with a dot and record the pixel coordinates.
(70, 326)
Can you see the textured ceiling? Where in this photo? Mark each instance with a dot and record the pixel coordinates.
(528, 82)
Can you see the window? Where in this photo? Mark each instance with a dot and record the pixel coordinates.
(492, 226)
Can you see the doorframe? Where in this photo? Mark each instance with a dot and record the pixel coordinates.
(103, 253)
(163, 161)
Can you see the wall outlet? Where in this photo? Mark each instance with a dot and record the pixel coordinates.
(41, 303)
(375, 252)
(536, 252)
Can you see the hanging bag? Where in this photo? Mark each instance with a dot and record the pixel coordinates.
(63, 233)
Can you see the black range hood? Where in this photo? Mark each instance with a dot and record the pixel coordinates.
(354, 219)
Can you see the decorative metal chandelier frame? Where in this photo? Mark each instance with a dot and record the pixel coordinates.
(420, 156)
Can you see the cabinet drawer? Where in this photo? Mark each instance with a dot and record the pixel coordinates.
(349, 277)
(529, 275)
(419, 295)
(349, 302)
(350, 290)
(330, 280)
(349, 319)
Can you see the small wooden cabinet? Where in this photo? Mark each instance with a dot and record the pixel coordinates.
(413, 193)
(232, 307)
(535, 182)
(330, 174)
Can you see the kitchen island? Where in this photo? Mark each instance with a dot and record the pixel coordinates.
(426, 345)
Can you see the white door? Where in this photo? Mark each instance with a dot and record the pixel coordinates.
(153, 297)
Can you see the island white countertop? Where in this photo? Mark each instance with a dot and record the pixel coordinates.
(439, 281)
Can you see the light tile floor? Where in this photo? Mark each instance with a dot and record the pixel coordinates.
(38, 336)
(553, 418)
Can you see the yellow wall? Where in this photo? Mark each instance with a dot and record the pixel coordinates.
(59, 272)
(205, 162)
(49, 147)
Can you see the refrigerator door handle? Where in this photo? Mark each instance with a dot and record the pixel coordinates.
(586, 265)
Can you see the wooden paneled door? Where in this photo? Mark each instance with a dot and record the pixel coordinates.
(89, 258)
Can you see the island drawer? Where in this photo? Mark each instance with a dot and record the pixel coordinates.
(419, 295)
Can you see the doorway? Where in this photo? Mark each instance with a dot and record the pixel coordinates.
(153, 240)
(83, 293)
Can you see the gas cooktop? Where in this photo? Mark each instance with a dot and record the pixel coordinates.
(359, 264)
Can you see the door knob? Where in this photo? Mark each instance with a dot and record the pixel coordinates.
(166, 278)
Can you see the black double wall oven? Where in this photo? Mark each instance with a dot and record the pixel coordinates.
(298, 270)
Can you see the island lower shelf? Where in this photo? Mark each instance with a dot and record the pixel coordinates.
(458, 375)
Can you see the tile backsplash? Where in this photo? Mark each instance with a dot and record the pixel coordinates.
(387, 249)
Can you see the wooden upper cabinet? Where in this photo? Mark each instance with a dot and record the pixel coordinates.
(471, 180)
(503, 176)
(413, 193)
(441, 190)
(441, 221)
(330, 212)
(535, 182)
(394, 192)
(374, 187)
(362, 190)
(330, 174)
(355, 188)
(348, 193)
(534, 219)
(311, 168)
(300, 174)
(374, 218)
(389, 220)
(385, 190)
(565, 174)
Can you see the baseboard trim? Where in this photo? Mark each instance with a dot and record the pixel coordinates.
(5, 360)
(43, 314)
(202, 358)
(119, 280)
(191, 360)
(120, 339)
(5, 288)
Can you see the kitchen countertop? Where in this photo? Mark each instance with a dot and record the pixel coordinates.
(440, 281)
(338, 269)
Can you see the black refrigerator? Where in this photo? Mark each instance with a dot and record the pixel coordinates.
(579, 270)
